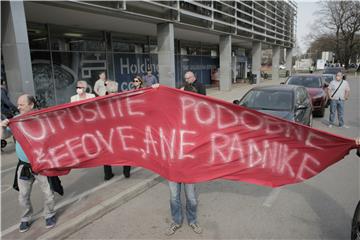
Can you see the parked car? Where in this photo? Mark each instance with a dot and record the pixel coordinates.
(353, 65)
(317, 88)
(288, 102)
(328, 77)
(334, 71)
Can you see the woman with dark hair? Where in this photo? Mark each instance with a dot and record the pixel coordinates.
(137, 82)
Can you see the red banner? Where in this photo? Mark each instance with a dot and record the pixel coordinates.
(183, 136)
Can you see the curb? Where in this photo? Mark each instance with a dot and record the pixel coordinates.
(65, 230)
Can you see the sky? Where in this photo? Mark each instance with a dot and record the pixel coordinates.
(305, 18)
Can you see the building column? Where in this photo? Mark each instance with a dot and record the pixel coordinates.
(256, 60)
(166, 54)
(289, 55)
(275, 63)
(15, 50)
(225, 63)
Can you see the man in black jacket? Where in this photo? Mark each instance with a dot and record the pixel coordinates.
(192, 84)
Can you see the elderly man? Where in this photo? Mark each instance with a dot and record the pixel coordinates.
(192, 85)
(81, 87)
(339, 92)
(26, 178)
(175, 187)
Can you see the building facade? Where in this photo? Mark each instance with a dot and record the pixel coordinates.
(48, 46)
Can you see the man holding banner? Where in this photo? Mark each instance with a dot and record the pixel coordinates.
(175, 187)
(26, 177)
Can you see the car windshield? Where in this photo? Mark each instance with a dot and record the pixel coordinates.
(332, 70)
(328, 78)
(306, 81)
(275, 100)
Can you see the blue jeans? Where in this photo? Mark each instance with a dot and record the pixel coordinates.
(175, 202)
(339, 106)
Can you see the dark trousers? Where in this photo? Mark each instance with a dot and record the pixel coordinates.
(126, 171)
(108, 172)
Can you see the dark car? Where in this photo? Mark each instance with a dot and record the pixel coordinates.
(328, 77)
(317, 89)
(288, 102)
(334, 71)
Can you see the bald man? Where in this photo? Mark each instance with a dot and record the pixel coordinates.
(26, 178)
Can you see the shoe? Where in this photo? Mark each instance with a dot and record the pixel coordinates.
(197, 229)
(24, 226)
(172, 229)
(330, 125)
(108, 177)
(344, 126)
(50, 222)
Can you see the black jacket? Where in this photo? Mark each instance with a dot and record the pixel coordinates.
(26, 174)
(196, 86)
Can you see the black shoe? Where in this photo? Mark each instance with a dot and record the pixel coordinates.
(24, 226)
(50, 222)
(108, 177)
(126, 171)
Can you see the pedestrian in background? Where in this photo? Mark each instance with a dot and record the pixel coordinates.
(8, 109)
(149, 79)
(112, 87)
(137, 83)
(192, 84)
(81, 93)
(339, 92)
(25, 177)
(100, 85)
(175, 187)
(81, 87)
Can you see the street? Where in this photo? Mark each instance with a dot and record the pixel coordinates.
(319, 208)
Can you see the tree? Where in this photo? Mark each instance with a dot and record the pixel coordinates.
(337, 29)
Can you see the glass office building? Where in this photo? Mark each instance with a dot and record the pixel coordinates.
(71, 40)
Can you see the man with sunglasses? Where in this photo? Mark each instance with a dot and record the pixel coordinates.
(81, 87)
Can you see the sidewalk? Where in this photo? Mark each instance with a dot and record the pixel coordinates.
(87, 209)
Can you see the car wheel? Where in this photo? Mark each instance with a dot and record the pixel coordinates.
(355, 226)
(319, 113)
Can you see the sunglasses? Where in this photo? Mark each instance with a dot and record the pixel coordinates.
(135, 80)
(79, 87)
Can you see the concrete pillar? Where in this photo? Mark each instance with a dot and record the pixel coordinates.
(225, 63)
(166, 54)
(275, 63)
(15, 49)
(289, 55)
(256, 60)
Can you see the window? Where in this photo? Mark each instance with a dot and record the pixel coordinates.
(38, 36)
(70, 39)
